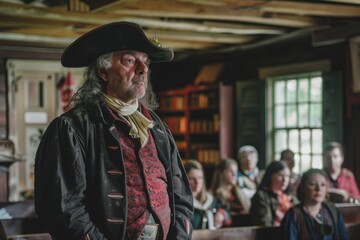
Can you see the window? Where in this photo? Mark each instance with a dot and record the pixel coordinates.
(295, 118)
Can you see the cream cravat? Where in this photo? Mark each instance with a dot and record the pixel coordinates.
(139, 124)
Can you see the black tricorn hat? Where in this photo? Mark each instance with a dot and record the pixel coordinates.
(112, 37)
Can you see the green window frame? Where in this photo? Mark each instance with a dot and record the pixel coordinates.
(296, 103)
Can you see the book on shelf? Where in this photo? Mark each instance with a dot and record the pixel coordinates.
(172, 103)
(194, 114)
(206, 153)
(211, 126)
(177, 125)
(181, 145)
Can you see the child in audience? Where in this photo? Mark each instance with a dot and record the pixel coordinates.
(249, 176)
(313, 219)
(342, 183)
(225, 189)
(208, 213)
(272, 200)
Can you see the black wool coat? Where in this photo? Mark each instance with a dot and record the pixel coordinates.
(80, 179)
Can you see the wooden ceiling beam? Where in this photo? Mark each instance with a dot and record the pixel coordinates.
(180, 45)
(159, 8)
(206, 26)
(26, 21)
(182, 24)
(287, 7)
(194, 11)
(199, 37)
(55, 14)
(46, 31)
(343, 1)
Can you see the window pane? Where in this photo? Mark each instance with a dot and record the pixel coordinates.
(279, 94)
(317, 161)
(279, 116)
(297, 164)
(303, 93)
(303, 115)
(297, 119)
(305, 141)
(291, 91)
(277, 156)
(315, 115)
(294, 140)
(291, 115)
(317, 145)
(305, 162)
(35, 94)
(280, 140)
(316, 89)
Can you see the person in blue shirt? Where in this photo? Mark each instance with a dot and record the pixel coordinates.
(313, 218)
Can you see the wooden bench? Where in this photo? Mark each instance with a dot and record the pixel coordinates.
(22, 227)
(25, 225)
(239, 233)
(258, 233)
(350, 212)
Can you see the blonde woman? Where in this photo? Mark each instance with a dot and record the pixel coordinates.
(227, 191)
(208, 212)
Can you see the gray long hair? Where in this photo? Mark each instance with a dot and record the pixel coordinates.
(90, 93)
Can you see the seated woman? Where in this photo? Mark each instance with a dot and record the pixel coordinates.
(208, 213)
(249, 176)
(225, 189)
(313, 219)
(342, 183)
(272, 200)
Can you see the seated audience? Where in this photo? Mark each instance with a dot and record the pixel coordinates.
(249, 176)
(272, 200)
(314, 218)
(225, 189)
(208, 213)
(342, 183)
(288, 157)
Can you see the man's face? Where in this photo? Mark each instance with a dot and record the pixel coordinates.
(334, 159)
(127, 79)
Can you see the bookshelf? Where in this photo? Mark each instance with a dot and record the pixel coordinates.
(201, 128)
(172, 110)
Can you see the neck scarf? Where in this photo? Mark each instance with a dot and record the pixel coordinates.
(284, 204)
(139, 124)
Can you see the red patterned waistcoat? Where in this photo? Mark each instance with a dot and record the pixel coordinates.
(146, 182)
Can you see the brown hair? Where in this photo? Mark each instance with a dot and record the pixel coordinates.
(332, 145)
(271, 169)
(301, 188)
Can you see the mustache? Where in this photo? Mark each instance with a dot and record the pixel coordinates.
(140, 79)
